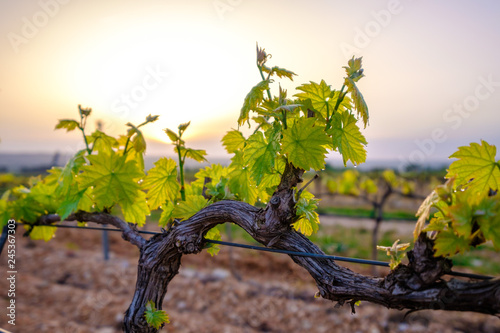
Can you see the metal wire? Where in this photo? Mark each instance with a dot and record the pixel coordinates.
(265, 249)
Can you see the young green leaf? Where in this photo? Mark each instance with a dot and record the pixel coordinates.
(347, 138)
(151, 119)
(215, 172)
(359, 101)
(136, 211)
(137, 138)
(353, 68)
(252, 100)
(42, 233)
(114, 180)
(43, 194)
(192, 205)
(155, 318)
(280, 72)
(166, 214)
(320, 96)
(461, 214)
(260, 154)
(102, 142)
(448, 244)
(26, 209)
(71, 202)
(213, 234)
(308, 220)
(161, 182)
(172, 135)
(240, 179)
(233, 141)
(476, 167)
(489, 220)
(196, 154)
(424, 212)
(183, 127)
(68, 124)
(395, 252)
(67, 176)
(305, 144)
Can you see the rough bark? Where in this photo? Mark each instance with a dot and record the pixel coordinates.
(418, 285)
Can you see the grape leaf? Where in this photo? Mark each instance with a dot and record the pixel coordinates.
(476, 167)
(71, 202)
(213, 234)
(259, 155)
(353, 68)
(347, 138)
(102, 142)
(171, 134)
(155, 318)
(233, 141)
(240, 180)
(304, 143)
(488, 218)
(196, 154)
(136, 211)
(491, 230)
(359, 101)
(43, 232)
(192, 205)
(161, 182)
(252, 100)
(461, 215)
(114, 180)
(138, 141)
(183, 127)
(424, 212)
(135, 156)
(308, 220)
(215, 172)
(43, 194)
(280, 72)
(67, 175)
(68, 124)
(448, 244)
(26, 209)
(166, 214)
(320, 96)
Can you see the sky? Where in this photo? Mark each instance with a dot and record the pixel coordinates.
(432, 69)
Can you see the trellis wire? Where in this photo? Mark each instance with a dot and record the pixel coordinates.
(265, 249)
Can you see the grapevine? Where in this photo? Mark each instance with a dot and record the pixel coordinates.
(260, 191)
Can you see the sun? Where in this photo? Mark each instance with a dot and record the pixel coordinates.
(181, 75)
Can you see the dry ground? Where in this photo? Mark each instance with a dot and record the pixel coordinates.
(66, 286)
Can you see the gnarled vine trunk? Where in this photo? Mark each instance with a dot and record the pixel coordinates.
(414, 287)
